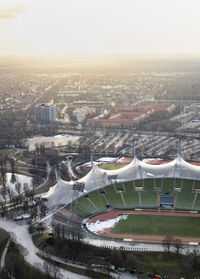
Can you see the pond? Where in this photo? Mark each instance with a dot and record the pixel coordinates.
(18, 178)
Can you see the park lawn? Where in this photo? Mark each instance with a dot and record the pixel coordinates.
(3, 240)
(160, 225)
(164, 263)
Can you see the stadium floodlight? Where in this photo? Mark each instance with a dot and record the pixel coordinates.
(79, 186)
(179, 148)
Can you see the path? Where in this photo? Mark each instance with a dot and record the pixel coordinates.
(20, 235)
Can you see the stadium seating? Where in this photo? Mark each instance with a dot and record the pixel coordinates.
(185, 197)
(149, 195)
(158, 182)
(125, 195)
(84, 203)
(197, 184)
(197, 202)
(98, 199)
(131, 197)
(168, 186)
(113, 197)
(178, 182)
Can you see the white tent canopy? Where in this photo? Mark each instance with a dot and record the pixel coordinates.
(62, 192)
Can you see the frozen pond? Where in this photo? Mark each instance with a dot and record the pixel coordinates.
(19, 178)
(58, 140)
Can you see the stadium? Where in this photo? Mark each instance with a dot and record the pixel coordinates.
(164, 197)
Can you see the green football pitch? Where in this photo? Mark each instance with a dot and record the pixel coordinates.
(182, 226)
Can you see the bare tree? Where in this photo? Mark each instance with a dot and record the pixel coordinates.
(18, 188)
(131, 260)
(3, 174)
(57, 230)
(178, 245)
(12, 162)
(10, 193)
(51, 271)
(3, 192)
(168, 242)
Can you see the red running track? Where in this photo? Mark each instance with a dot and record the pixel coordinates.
(141, 238)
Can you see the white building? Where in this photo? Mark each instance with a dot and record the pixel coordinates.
(45, 114)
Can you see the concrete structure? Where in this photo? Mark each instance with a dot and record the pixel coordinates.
(184, 118)
(45, 114)
(81, 113)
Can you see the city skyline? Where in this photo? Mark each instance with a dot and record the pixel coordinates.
(93, 26)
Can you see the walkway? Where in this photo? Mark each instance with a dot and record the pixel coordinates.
(20, 235)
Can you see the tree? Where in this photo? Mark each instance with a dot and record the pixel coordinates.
(10, 193)
(12, 164)
(3, 174)
(51, 271)
(168, 242)
(13, 178)
(177, 243)
(131, 260)
(3, 192)
(18, 188)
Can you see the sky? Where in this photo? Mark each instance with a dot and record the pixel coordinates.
(99, 26)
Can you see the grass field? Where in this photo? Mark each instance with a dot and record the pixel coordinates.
(160, 225)
(3, 240)
(111, 166)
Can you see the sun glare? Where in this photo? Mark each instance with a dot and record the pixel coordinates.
(94, 26)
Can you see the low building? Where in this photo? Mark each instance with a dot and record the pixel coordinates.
(184, 118)
(112, 123)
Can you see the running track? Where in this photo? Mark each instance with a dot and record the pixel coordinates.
(142, 238)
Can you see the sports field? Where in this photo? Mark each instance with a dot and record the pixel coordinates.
(158, 225)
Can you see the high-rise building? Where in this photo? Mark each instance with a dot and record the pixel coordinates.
(45, 114)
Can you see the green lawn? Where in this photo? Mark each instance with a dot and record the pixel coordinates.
(3, 240)
(165, 263)
(159, 225)
(111, 166)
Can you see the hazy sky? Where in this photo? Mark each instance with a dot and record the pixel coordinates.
(99, 26)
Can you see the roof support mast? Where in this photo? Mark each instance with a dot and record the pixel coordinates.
(179, 148)
(134, 151)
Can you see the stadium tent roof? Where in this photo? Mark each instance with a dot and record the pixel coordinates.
(62, 192)
(96, 177)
